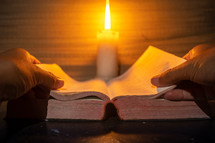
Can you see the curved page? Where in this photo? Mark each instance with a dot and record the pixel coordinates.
(137, 80)
(73, 89)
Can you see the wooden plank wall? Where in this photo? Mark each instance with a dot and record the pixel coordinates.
(64, 31)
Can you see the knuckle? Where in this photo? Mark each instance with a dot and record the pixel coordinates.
(21, 52)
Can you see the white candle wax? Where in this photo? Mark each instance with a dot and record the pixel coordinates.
(107, 59)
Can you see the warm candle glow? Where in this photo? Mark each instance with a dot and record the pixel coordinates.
(107, 15)
(107, 58)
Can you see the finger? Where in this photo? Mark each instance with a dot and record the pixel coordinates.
(178, 95)
(48, 79)
(188, 55)
(34, 60)
(173, 76)
(197, 50)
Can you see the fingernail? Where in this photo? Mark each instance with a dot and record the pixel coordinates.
(187, 95)
(59, 78)
(155, 80)
(59, 84)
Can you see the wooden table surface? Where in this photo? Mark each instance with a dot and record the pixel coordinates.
(64, 31)
(109, 131)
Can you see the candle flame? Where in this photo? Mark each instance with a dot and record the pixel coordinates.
(107, 15)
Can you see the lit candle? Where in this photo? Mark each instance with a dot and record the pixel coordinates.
(107, 60)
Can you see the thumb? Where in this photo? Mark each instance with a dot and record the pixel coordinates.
(48, 79)
(173, 76)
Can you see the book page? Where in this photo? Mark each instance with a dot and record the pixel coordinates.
(74, 89)
(137, 80)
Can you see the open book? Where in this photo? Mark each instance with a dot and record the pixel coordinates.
(132, 93)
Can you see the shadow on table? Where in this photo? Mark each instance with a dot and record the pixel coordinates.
(115, 131)
(32, 105)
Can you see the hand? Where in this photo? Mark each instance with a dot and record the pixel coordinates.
(19, 75)
(199, 69)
